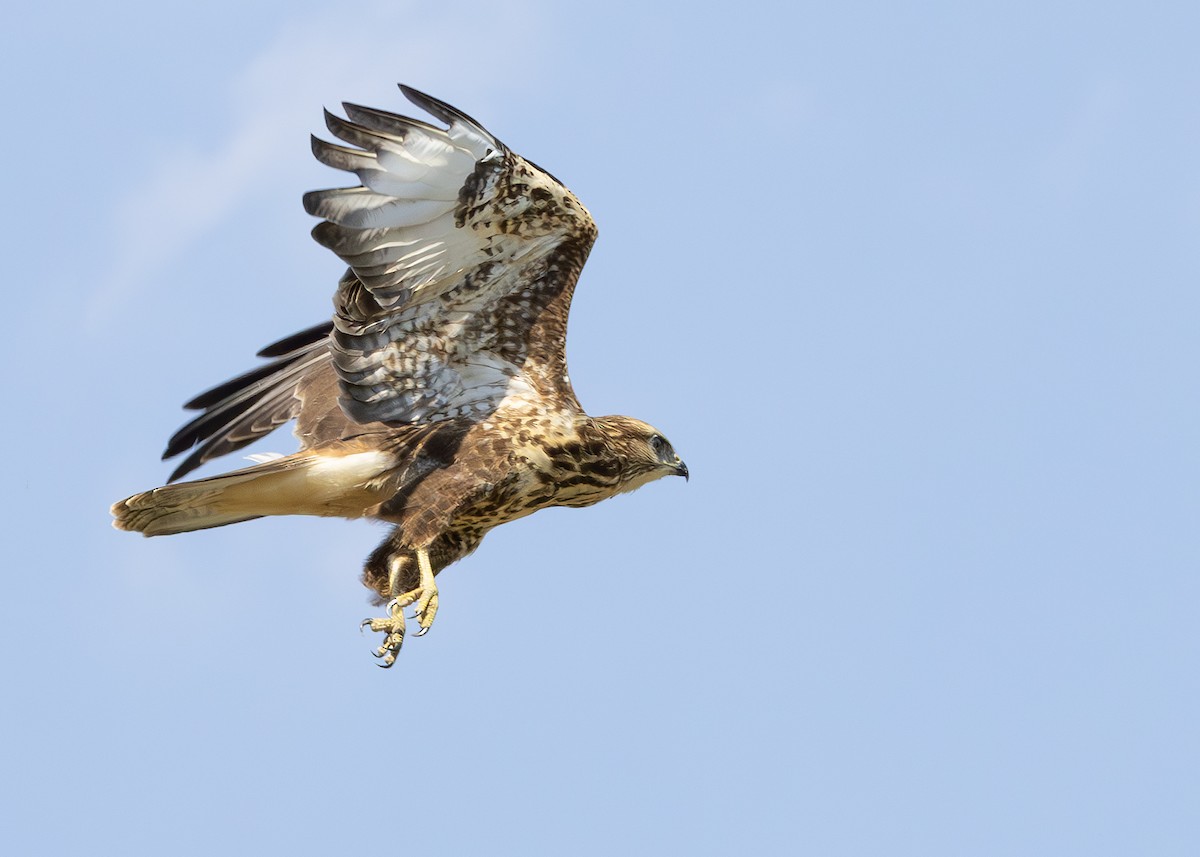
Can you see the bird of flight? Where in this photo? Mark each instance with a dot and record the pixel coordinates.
(437, 398)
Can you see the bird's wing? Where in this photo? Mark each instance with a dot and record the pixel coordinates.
(240, 411)
(463, 258)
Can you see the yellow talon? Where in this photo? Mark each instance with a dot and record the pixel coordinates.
(425, 596)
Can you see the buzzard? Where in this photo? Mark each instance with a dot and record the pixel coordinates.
(437, 399)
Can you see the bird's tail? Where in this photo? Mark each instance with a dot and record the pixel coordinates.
(300, 484)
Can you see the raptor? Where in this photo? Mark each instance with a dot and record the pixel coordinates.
(437, 398)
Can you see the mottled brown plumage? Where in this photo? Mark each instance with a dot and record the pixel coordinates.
(438, 398)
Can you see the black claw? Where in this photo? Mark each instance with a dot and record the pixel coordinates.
(364, 623)
(421, 633)
(386, 666)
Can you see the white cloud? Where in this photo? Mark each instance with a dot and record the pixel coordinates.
(275, 101)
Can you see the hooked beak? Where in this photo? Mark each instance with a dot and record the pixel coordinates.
(681, 470)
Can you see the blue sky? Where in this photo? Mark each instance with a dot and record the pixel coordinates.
(911, 287)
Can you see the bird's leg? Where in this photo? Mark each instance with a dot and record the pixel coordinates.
(425, 595)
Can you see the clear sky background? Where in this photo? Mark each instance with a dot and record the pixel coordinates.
(912, 287)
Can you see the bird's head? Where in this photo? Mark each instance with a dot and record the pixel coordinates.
(644, 453)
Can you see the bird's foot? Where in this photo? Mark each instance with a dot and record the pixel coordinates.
(425, 596)
(391, 625)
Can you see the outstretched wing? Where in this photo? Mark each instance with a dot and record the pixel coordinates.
(463, 258)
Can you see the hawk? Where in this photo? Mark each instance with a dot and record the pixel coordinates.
(437, 398)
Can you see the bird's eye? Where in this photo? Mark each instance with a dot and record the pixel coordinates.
(659, 444)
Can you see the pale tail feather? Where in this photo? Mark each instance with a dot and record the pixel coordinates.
(300, 484)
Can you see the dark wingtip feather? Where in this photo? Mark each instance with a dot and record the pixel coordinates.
(308, 202)
(317, 145)
(385, 122)
(332, 120)
(360, 135)
(325, 233)
(314, 200)
(205, 425)
(187, 466)
(341, 157)
(297, 341)
(440, 109)
(219, 392)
